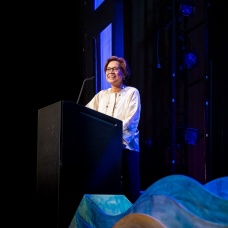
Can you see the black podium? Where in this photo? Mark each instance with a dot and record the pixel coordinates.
(79, 151)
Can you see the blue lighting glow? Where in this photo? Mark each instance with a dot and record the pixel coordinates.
(187, 7)
(190, 59)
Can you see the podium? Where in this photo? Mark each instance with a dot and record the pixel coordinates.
(79, 151)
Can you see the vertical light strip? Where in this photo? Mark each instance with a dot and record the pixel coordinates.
(105, 52)
(97, 3)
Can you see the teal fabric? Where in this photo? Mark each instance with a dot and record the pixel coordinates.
(219, 187)
(100, 210)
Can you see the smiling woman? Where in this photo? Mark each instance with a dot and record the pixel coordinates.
(122, 102)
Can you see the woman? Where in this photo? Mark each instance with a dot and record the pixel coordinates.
(123, 102)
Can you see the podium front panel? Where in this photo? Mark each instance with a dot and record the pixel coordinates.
(79, 151)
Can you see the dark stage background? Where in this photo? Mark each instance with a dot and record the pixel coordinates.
(47, 47)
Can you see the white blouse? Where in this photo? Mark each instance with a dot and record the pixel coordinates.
(124, 105)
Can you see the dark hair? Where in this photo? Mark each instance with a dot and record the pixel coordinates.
(123, 65)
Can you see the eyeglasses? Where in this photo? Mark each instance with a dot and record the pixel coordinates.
(109, 69)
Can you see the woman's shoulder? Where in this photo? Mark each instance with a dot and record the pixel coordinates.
(103, 91)
(131, 89)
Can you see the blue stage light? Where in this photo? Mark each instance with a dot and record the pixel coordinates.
(187, 7)
(190, 59)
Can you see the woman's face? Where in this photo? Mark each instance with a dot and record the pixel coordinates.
(114, 74)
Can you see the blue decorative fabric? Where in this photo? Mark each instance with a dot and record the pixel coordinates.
(219, 187)
(175, 201)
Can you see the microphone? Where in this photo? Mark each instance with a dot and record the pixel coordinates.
(87, 79)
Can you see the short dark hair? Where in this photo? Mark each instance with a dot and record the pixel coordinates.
(122, 64)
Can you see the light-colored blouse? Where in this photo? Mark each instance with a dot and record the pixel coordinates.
(124, 105)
